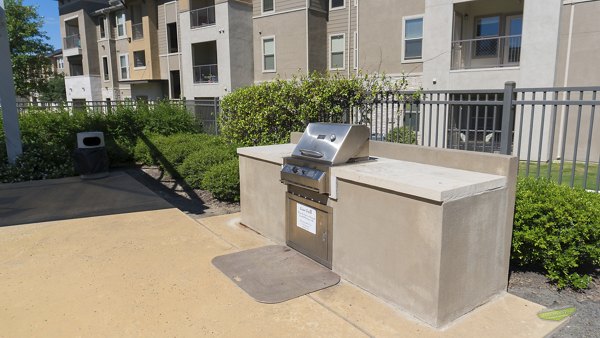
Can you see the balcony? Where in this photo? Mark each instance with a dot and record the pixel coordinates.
(72, 41)
(137, 31)
(206, 73)
(202, 17)
(488, 52)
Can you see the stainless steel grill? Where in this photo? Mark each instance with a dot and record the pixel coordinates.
(321, 146)
(306, 173)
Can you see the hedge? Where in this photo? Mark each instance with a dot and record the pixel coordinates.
(49, 136)
(557, 229)
(223, 181)
(266, 113)
(198, 163)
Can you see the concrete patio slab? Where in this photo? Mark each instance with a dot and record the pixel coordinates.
(150, 274)
(49, 200)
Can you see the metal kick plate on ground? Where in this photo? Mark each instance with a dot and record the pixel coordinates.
(275, 273)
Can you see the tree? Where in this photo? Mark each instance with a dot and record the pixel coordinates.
(55, 90)
(28, 47)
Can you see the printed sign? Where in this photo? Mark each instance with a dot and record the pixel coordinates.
(306, 218)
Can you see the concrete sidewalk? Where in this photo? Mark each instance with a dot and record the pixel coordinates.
(149, 274)
(72, 197)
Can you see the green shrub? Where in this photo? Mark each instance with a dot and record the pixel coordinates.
(167, 118)
(169, 152)
(266, 113)
(37, 164)
(402, 135)
(556, 228)
(198, 163)
(223, 181)
(55, 132)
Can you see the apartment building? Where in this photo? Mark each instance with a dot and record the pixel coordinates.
(128, 36)
(57, 64)
(437, 44)
(153, 49)
(80, 48)
(216, 47)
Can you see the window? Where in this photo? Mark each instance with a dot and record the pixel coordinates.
(355, 50)
(60, 63)
(75, 65)
(487, 31)
(139, 59)
(336, 4)
(268, 54)
(102, 24)
(413, 39)
(137, 27)
(268, 6)
(120, 19)
(124, 65)
(336, 46)
(105, 68)
(173, 43)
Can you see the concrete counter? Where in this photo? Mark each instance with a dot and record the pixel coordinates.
(271, 153)
(430, 182)
(262, 196)
(426, 229)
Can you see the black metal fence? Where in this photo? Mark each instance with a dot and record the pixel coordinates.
(205, 111)
(553, 131)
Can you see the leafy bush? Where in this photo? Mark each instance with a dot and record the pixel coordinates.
(169, 152)
(402, 135)
(37, 164)
(266, 113)
(167, 118)
(557, 228)
(51, 135)
(198, 163)
(223, 181)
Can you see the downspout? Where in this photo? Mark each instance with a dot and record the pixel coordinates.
(109, 56)
(347, 42)
(357, 34)
(563, 119)
(167, 44)
(307, 42)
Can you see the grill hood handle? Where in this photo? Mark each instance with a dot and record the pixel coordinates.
(311, 153)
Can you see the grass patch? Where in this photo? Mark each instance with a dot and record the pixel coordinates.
(554, 175)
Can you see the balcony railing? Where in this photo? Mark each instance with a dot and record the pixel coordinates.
(72, 41)
(206, 74)
(202, 17)
(503, 51)
(137, 31)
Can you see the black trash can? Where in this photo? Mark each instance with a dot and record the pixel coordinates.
(91, 159)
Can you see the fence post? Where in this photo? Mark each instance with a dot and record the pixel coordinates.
(508, 118)
(8, 98)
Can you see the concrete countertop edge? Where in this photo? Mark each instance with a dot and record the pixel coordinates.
(435, 195)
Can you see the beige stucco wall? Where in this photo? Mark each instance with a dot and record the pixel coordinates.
(87, 35)
(584, 48)
(148, 44)
(289, 30)
(380, 35)
(262, 197)
(370, 248)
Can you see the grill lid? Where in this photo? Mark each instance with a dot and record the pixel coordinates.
(333, 143)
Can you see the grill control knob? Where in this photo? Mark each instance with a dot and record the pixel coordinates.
(332, 137)
(295, 170)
